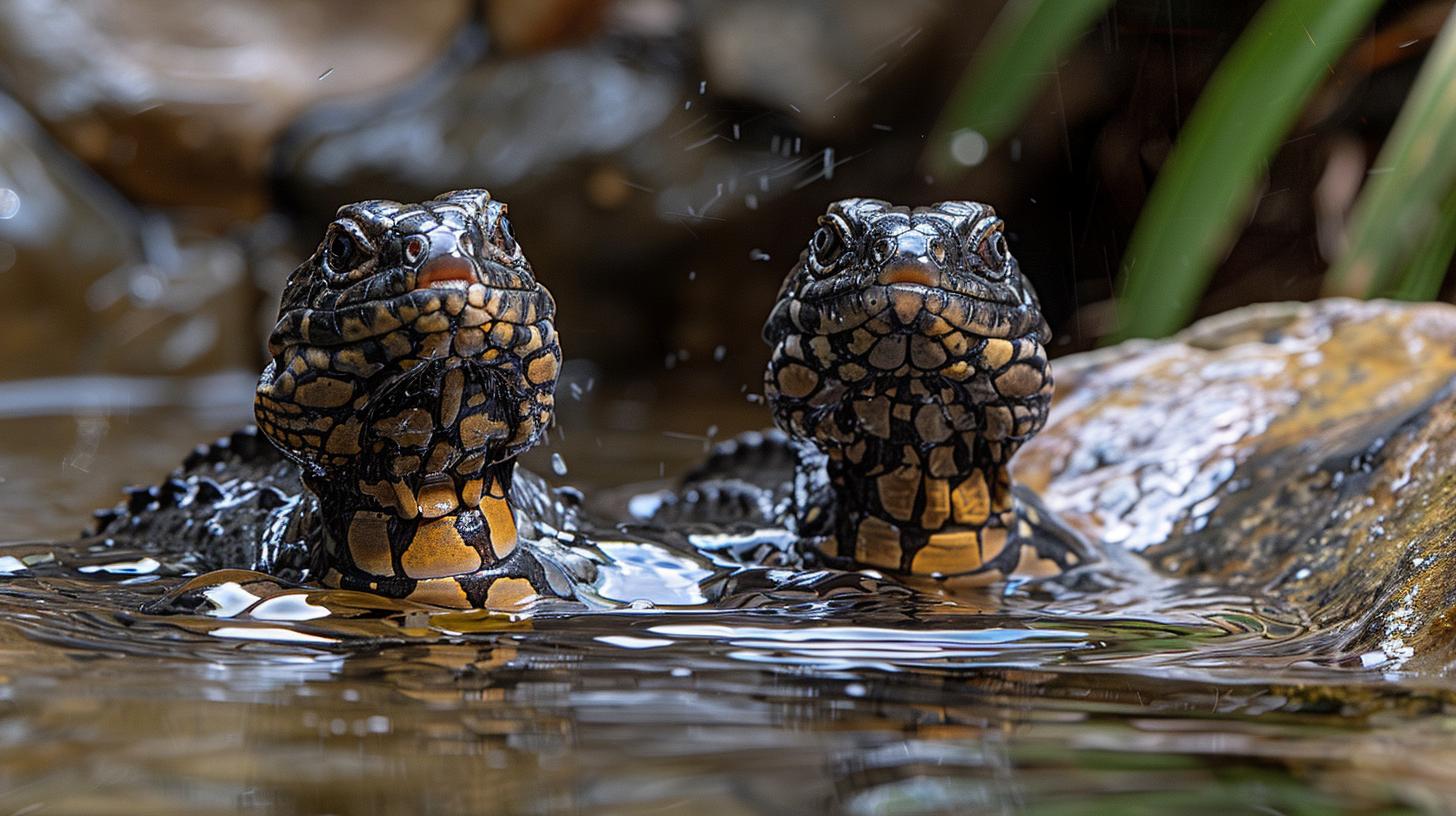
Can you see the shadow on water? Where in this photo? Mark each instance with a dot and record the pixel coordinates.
(789, 694)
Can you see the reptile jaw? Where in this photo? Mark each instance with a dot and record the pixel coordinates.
(913, 274)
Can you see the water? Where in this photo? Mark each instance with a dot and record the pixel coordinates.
(1146, 698)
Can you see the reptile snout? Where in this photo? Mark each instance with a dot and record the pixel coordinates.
(910, 256)
(441, 261)
(909, 265)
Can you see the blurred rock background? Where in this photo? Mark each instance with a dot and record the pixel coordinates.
(162, 167)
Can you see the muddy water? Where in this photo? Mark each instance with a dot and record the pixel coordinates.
(1146, 698)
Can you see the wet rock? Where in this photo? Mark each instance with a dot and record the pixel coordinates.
(1304, 452)
(181, 107)
(89, 284)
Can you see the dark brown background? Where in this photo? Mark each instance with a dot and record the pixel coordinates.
(664, 160)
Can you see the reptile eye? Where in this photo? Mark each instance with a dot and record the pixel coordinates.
(994, 253)
(414, 248)
(826, 245)
(503, 237)
(339, 252)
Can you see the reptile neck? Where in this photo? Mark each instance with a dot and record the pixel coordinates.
(393, 538)
(910, 520)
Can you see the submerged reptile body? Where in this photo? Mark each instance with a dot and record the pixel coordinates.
(238, 503)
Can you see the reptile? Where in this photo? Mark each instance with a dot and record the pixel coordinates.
(908, 365)
(414, 358)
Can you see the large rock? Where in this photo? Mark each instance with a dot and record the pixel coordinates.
(89, 284)
(1304, 452)
(180, 105)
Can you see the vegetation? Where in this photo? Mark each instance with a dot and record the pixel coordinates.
(1402, 234)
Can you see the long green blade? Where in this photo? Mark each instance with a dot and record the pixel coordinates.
(1400, 207)
(1422, 279)
(1204, 189)
(1017, 57)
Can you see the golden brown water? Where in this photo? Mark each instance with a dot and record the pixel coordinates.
(1151, 699)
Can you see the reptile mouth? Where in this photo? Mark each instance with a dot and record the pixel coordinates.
(910, 274)
(447, 272)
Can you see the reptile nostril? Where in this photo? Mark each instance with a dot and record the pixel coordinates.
(883, 249)
(937, 251)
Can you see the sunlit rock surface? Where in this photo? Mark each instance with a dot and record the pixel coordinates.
(180, 106)
(1302, 451)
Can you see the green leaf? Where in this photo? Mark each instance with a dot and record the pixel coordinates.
(1427, 270)
(1400, 217)
(1203, 192)
(1017, 57)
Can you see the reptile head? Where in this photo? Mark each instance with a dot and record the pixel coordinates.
(909, 348)
(414, 351)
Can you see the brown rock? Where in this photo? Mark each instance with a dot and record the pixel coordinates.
(182, 106)
(89, 285)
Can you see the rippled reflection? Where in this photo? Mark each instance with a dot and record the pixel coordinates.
(124, 680)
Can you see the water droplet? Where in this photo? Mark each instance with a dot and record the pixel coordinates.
(558, 465)
(968, 147)
(9, 203)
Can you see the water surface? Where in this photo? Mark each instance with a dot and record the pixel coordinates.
(1137, 699)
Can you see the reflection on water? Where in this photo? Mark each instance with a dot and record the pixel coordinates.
(261, 697)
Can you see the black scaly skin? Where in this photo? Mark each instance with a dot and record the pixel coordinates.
(908, 365)
(415, 357)
(236, 503)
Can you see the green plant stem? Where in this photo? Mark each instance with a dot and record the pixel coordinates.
(1203, 191)
(1426, 272)
(1017, 57)
(1399, 214)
